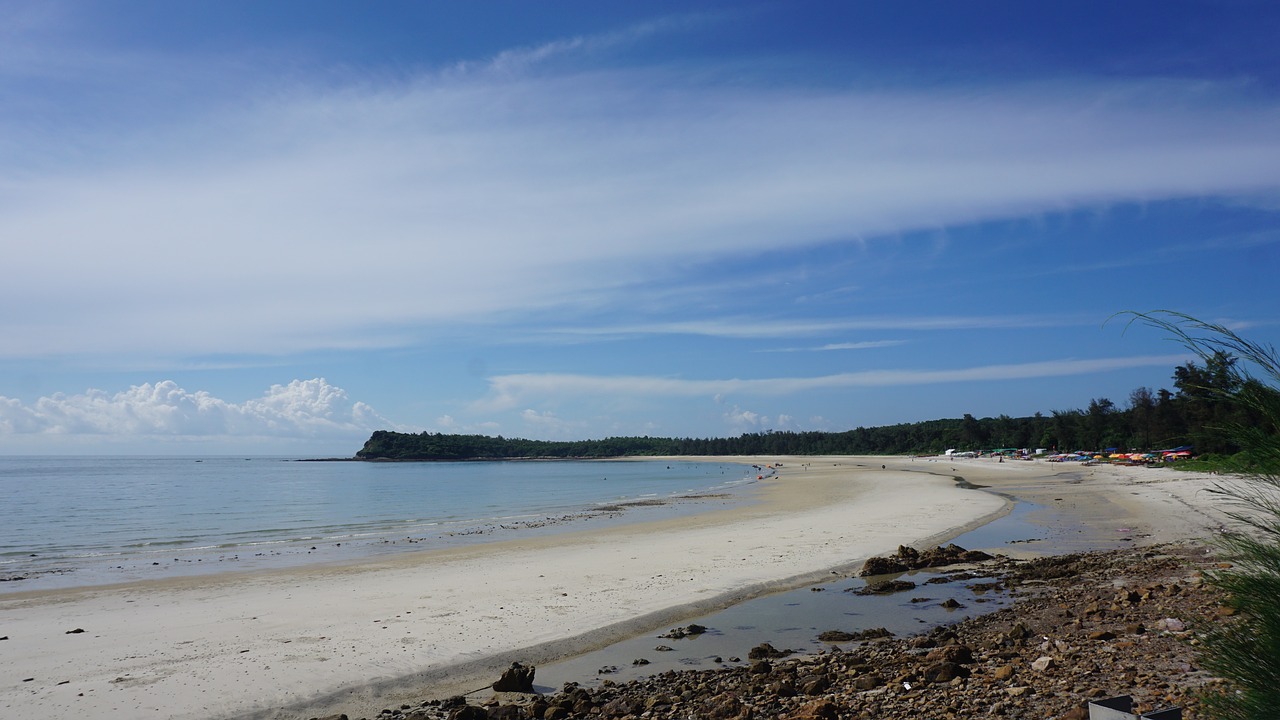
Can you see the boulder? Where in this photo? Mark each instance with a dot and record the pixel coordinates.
(816, 710)
(469, 712)
(882, 566)
(886, 587)
(1043, 663)
(517, 678)
(959, 654)
(943, 672)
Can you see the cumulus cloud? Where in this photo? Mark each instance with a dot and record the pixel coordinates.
(507, 391)
(742, 420)
(301, 409)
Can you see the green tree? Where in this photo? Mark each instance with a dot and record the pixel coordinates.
(1142, 411)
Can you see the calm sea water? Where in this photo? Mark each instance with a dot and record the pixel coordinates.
(71, 521)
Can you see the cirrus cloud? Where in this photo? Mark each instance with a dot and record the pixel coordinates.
(507, 391)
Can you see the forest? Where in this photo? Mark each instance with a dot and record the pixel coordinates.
(1196, 412)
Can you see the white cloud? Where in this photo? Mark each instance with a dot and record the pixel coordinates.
(507, 391)
(547, 424)
(301, 409)
(321, 218)
(865, 345)
(744, 420)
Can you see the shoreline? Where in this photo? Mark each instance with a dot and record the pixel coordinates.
(353, 639)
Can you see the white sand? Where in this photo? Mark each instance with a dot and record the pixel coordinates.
(359, 638)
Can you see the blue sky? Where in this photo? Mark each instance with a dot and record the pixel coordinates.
(274, 227)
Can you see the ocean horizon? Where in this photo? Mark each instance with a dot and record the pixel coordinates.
(85, 520)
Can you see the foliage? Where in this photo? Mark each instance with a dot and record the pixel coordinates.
(1246, 410)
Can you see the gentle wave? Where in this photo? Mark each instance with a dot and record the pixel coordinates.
(106, 519)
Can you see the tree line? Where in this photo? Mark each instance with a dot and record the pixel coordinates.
(1194, 413)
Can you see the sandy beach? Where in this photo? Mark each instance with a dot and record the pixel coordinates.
(358, 638)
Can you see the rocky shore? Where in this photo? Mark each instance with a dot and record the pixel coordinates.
(1082, 627)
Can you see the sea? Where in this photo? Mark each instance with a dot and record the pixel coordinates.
(85, 521)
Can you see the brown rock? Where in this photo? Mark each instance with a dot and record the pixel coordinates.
(943, 672)
(816, 710)
(1004, 672)
(469, 712)
(1018, 691)
(960, 654)
(882, 566)
(867, 682)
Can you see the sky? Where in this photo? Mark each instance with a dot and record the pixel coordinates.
(236, 226)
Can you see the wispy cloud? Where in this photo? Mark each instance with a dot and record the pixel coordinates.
(830, 347)
(508, 391)
(759, 328)
(293, 219)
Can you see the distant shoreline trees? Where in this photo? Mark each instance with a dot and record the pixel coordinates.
(1192, 414)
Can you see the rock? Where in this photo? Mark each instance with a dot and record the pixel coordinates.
(761, 667)
(1043, 663)
(658, 701)
(684, 632)
(1018, 691)
(1079, 712)
(815, 685)
(765, 650)
(951, 604)
(1002, 673)
(870, 634)
(882, 566)
(943, 672)
(517, 678)
(959, 654)
(77, 631)
(555, 712)
(782, 688)
(725, 706)
(1171, 625)
(816, 710)
(664, 648)
(1102, 635)
(835, 636)
(886, 587)
(506, 712)
(867, 682)
(469, 712)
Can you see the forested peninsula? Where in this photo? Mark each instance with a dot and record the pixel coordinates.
(1192, 414)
